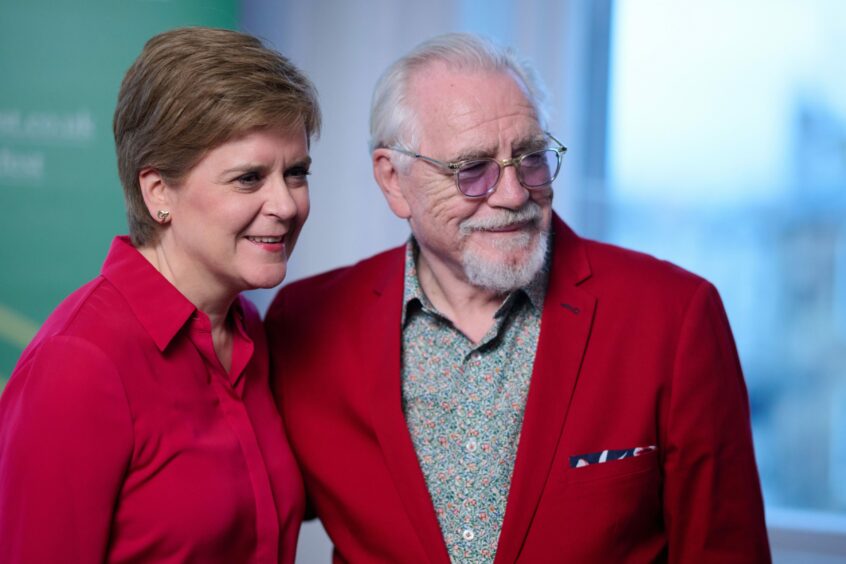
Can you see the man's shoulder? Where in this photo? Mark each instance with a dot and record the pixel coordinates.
(335, 287)
(633, 285)
(607, 259)
(600, 264)
(365, 272)
(618, 273)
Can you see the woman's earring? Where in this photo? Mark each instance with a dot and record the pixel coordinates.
(163, 215)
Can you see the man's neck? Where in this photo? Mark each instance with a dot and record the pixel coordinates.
(470, 308)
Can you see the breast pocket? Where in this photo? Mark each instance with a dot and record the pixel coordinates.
(642, 467)
(622, 495)
(612, 509)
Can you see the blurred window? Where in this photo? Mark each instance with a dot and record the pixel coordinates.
(727, 155)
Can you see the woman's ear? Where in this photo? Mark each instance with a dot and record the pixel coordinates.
(155, 193)
(387, 177)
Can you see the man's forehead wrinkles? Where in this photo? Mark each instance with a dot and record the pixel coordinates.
(470, 116)
(483, 146)
(529, 142)
(474, 152)
(513, 131)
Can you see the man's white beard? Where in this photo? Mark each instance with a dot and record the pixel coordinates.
(503, 274)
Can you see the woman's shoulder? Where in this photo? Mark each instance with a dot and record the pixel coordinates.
(60, 367)
(94, 316)
(76, 356)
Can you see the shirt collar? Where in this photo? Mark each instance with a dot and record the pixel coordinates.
(158, 305)
(536, 289)
(413, 294)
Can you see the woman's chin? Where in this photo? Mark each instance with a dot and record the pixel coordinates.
(268, 278)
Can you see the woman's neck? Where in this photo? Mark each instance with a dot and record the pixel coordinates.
(209, 298)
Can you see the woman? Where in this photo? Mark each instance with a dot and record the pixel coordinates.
(138, 425)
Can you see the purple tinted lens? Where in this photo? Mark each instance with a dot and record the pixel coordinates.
(477, 177)
(539, 168)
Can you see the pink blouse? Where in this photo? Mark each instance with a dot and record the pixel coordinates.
(123, 439)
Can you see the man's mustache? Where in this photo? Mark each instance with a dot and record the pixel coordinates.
(529, 213)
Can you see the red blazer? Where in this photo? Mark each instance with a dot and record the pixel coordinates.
(633, 352)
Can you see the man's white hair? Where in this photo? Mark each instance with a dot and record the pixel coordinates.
(392, 120)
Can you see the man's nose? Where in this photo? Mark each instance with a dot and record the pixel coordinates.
(509, 192)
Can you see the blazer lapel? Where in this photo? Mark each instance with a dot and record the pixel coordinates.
(565, 327)
(384, 340)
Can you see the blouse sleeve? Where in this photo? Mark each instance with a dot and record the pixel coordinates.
(65, 444)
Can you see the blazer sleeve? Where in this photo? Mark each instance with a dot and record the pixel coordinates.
(713, 507)
(65, 444)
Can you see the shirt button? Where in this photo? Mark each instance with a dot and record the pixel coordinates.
(475, 355)
(468, 534)
(471, 445)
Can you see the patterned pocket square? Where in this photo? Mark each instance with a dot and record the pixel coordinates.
(580, 460)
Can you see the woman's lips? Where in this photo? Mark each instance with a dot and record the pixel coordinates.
(270, 243)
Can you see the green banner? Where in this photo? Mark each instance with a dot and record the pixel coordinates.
(61, 64)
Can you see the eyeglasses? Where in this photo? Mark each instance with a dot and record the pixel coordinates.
(477, 178)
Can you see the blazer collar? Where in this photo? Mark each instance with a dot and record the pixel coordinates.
(565, 327)
(383, 340)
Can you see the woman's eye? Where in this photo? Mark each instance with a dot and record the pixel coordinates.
(297, 176)
(249, 179)
(297, 172)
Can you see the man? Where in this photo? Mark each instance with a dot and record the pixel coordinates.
(499, 389)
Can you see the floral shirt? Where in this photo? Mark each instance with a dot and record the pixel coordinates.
(464, 405)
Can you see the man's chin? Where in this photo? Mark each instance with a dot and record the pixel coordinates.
(507, 266)
(515, 244)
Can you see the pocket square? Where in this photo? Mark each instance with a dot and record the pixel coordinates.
(603, 456)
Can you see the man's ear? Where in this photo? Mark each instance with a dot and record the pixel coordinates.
(155, 192)
(387, 177)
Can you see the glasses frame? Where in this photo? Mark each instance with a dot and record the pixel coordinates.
(456, 166)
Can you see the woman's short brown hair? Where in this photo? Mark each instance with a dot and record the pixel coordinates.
(189, 91)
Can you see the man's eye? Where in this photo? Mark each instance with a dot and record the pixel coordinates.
(533, 160)
(475, 169)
